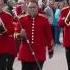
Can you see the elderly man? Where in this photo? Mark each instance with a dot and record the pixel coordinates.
(32, 52)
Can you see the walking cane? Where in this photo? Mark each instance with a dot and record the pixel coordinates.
(33, 53)
(27, 40)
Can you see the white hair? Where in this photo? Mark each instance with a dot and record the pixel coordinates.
(20, 1)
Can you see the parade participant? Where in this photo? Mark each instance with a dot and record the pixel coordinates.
(18, 10)
(8, 49)
(39, 35)
(64, 22)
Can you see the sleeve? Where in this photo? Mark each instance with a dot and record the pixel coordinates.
(18, 25)
(49, 13)
(17, 28)
(8, 20)
(57, 14)
(61, 22)
(49, 35)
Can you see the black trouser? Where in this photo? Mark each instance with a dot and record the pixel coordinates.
(18, 42)
(6, 62)
(68, 57)
(31, 66)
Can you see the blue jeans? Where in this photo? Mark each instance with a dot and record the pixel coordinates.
(56, 32)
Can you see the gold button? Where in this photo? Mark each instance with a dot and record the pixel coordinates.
(32, 24)
(32, 27)
(32, 30)
(32, 33)
(32, 39)
(32, 42)
(32, 36)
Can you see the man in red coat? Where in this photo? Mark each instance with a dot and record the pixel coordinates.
(66, 31)
(39, 34)
(8, 49)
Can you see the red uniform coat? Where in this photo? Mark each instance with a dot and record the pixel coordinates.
(7, 43)
(39, 35)
(66, 29)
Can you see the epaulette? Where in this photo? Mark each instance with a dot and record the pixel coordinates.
(6, 11)
(65, 8)
(42, 15)
(23, 15)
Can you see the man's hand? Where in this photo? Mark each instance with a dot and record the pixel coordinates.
(21, 35)
(50, 52)
(16, 35)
